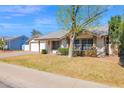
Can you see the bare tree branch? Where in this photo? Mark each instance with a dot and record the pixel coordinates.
(91, 19)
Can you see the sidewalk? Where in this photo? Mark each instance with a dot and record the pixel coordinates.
(11, 54)
(20, 77)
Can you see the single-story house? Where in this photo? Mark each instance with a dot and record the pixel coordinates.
(95, 37)
(14, 42)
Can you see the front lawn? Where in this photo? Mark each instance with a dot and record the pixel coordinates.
(86, 68)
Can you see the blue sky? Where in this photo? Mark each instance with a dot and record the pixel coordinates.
(20, 20)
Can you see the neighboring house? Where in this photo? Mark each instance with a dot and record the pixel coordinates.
(15, 42)
(95, 37)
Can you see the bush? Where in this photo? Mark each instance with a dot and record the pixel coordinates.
(44, 51)
(89, 53)
(63, 51)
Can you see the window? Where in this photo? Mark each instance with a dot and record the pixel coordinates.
(87, 44)
(76, 41)
(84, 44)
(55, 44)
(77, 45)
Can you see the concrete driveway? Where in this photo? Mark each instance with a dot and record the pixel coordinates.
(21, 77)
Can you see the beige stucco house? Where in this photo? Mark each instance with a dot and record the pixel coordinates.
(95, 37)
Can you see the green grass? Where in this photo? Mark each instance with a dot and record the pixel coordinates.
(86, 68)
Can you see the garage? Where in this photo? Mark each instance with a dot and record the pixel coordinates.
(34, 47)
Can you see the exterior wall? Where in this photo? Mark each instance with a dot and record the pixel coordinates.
(16, 44)
(100, 46)
(64, 43)
(84, 35)
(33, 41)
(43, 45)
(49, 46)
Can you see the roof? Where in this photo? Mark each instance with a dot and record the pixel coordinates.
(7, 37)
(98, 31)
(33, 37)
(10, 37)
(54, 35)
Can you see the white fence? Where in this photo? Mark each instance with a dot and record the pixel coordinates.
(25, 47)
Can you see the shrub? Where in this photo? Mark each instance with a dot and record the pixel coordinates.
(63, 51)
(44, 51)
(89, 53)
(2, 44)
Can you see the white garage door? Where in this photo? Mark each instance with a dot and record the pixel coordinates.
(34, 47)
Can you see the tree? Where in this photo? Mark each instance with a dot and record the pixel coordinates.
(2, 44)
(75, 18)
(35, 33)
(115, 32)
(121, 46)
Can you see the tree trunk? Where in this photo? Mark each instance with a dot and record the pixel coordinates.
(121, 48)
(114, 49)
(71, 46)
(121, 56)
(72, 37)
